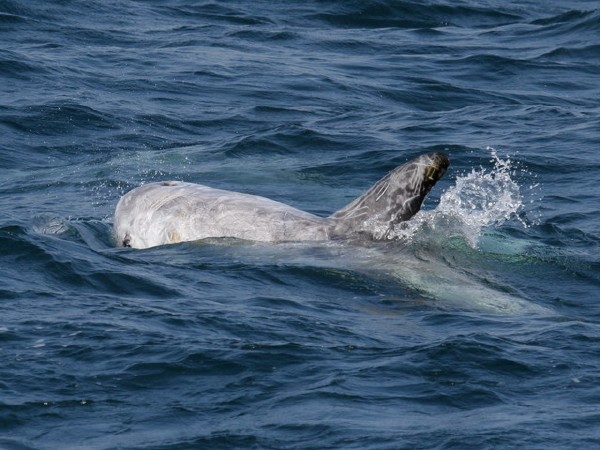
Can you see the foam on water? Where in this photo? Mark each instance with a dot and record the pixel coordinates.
(478, 200)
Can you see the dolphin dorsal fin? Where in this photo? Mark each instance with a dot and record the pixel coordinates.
(393, 199)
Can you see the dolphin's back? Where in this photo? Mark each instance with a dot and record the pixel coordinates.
(169, 212)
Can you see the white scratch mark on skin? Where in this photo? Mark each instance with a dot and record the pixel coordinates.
(382, 192)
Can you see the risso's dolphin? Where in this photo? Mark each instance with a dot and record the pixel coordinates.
(173, 211)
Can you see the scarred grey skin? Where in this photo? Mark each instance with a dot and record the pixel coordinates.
(170, 212)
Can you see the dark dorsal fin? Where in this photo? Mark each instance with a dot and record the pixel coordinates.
(393, 199)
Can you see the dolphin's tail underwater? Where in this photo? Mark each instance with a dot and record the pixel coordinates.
(393, 199)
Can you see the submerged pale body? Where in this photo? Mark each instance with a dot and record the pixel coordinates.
(170, 212)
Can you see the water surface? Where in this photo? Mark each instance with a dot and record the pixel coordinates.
(477, 328)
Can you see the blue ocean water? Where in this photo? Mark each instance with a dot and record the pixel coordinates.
(478, 327)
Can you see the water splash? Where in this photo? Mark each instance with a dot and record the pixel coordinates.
(481, 199)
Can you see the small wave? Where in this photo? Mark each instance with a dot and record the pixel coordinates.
(58, 118)
(18, 66)
(385, 14)
(51, 225)
(479, 200)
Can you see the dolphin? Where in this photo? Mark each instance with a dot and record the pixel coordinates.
(169, 212)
